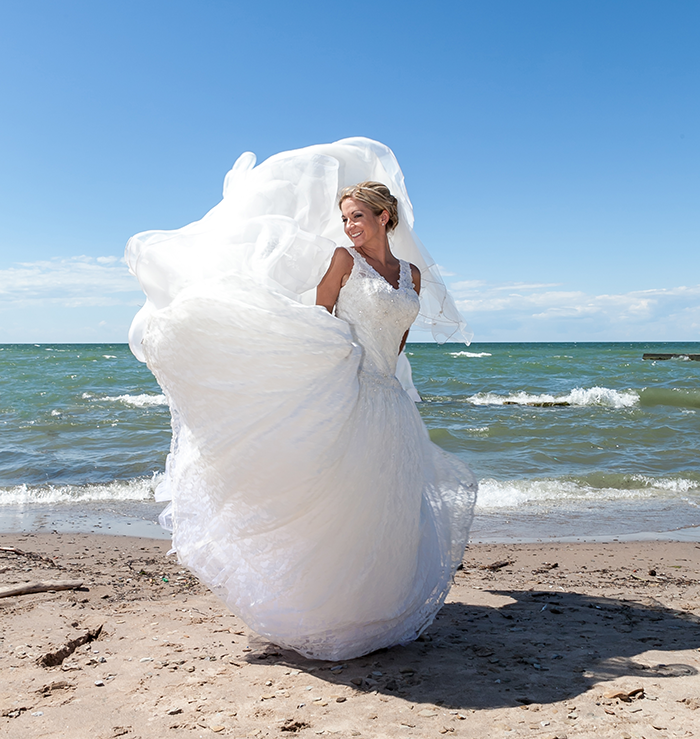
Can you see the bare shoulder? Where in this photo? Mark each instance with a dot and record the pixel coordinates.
(415, 275)
(341, 264)
(336, 276)
(342, 259)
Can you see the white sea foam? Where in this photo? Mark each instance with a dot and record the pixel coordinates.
(679, 485)
(600, 396)
(140, 401)
(514, 493)
(470, 354)
(139, 489)
(109, 356)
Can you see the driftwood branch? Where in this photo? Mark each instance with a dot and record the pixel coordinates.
(31, 555)
(40, 587)
(495, 566)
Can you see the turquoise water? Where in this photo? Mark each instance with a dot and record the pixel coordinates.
(569, 439)
(566, 439)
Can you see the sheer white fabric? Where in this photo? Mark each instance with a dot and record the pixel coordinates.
(305, 489)
(278, 223)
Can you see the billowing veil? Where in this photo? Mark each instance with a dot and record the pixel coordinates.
(279, 223)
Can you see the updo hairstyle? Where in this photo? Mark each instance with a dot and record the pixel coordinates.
(377, 197)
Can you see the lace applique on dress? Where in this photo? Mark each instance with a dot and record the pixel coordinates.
(378, 313)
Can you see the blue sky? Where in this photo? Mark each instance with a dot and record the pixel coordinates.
(551, 148)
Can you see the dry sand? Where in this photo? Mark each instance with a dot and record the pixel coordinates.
(567, 640)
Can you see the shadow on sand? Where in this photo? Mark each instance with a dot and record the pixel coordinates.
(538, 647)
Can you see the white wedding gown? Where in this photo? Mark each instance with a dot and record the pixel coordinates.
(305, 489)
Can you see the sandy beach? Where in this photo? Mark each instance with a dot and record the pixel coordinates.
(536, 640)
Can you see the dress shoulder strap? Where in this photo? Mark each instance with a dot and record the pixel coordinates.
(360, 263)
(405, 275)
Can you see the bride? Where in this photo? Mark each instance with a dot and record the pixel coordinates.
(304, 488)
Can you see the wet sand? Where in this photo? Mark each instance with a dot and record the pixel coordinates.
(536, 640)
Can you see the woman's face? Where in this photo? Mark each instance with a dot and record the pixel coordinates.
(361, 225)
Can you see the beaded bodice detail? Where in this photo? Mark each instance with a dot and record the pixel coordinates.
(378, 313)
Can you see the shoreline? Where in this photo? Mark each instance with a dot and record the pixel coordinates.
(535, 640)
(139, 518)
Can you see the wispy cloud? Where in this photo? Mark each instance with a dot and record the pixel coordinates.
(531, 312)
(497, 311)
(510, 286)
(71, 282)
(444, 271)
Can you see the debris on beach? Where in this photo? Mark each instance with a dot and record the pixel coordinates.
(555, 645)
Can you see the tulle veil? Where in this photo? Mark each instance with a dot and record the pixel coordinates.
(278, 222)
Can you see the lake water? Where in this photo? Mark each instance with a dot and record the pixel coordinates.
(567, 440)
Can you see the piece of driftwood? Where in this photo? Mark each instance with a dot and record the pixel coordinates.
(31, 555)
(495, 566)
(14, 550)
(546, 567)
(40, 587)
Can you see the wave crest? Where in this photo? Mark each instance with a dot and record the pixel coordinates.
(141, 489)
(140, 401)
(600, 396)
(599, 487)
(470, 354)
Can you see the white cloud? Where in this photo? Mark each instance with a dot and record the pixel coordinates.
(466, 285)
(537, 312)
(70, 282)
(444, 271)
(470, 284)
(497, 311)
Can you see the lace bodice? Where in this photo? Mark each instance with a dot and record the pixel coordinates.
(378, 313)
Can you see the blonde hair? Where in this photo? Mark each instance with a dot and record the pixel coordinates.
(377, 197)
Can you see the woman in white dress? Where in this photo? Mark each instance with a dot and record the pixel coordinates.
(305, 489)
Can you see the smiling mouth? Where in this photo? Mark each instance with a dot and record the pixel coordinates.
(354, 236)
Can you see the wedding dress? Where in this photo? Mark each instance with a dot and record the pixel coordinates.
(305, 489)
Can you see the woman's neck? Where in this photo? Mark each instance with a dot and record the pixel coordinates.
(377, 251)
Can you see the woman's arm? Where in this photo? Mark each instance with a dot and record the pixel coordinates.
(415, 274)
(336, 276)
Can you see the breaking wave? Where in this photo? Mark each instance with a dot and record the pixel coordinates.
(470, 354)
(141, 489)
(599, 396)
(596, 487)
(140, 401)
